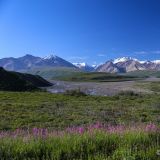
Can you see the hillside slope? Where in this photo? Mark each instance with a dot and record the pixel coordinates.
(14, 81)
(54, 72)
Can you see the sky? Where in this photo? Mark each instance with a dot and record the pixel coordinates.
(91, 31)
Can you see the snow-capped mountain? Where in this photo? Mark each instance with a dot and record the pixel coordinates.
(54, 61)
(128, 64)
(51, 56)
(84, 66)
(109, 66)
(123, 59)
(119, 65)
(29, 62)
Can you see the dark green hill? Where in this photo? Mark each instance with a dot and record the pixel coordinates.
(14, 81)
(96, 77)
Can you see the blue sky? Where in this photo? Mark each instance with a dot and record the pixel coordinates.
(80, 30)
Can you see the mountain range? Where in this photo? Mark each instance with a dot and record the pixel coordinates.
(119, 65)
(28, 62)
(128, 64)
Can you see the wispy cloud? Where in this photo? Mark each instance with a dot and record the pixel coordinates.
(141, 52)
(156, 52)
(101, 55)
(147, 52)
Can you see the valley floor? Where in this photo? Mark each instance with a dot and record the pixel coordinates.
(104, 88)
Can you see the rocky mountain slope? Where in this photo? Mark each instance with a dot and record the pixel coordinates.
(120, 65)
(127, 64)
(28, 62)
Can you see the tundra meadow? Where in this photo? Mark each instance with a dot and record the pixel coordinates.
(38, 126)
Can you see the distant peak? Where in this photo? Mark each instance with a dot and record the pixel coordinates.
(94, 65)
(124, 59)
(51, 56)
(80, 64)
(28, 55)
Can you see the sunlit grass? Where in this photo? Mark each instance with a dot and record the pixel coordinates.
(96, 142)
(44, 110)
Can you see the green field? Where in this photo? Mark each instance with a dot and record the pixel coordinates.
(95, 77)
(40, 109)
(44, 126)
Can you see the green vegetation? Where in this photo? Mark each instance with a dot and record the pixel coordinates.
(42, 109)
(76, 92)
(64, 119)
(54, 72)
(73, 74)
(96, 77)
(14, 81)
(95, 144)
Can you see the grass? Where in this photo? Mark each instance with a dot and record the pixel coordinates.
(94, 143)
(95, 77)
(54, 72)
(44, 126)
(45, 110)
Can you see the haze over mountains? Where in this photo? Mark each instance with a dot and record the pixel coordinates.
(120, 65)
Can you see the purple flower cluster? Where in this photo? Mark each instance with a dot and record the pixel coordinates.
(40, 132)
(90, 129)
(151, 128)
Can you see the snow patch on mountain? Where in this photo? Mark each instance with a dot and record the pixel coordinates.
(156, 61)
(83, 64)
(123, 59)
(51, 56)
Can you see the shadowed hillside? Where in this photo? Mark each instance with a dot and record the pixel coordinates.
(14, 81)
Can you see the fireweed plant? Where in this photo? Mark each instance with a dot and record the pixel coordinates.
(97, 141)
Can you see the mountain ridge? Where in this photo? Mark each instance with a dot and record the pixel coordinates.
(29, 61)
(119, 65)
(128, 64)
